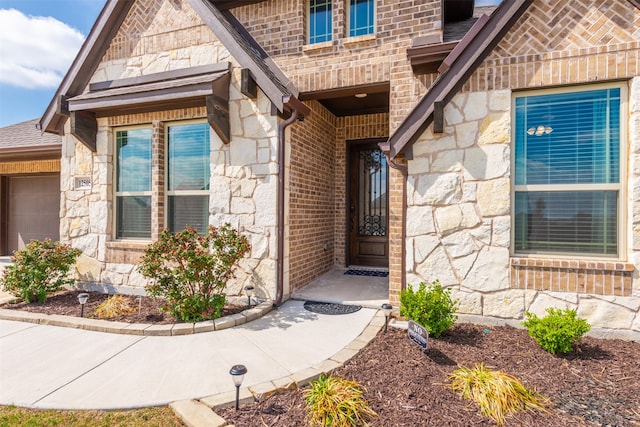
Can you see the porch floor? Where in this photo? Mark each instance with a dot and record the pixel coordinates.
(337, 287)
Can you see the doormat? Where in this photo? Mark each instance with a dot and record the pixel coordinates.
(330, 308)
(367, 273)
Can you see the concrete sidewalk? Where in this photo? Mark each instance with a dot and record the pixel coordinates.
(63, 368)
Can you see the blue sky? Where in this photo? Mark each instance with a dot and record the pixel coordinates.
(38, 41)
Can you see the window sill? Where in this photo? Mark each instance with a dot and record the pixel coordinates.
(126, 251)
(357, 40)
(315, 47)
(564, 275)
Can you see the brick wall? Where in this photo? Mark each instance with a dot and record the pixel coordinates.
(311, 196)
(280, 28)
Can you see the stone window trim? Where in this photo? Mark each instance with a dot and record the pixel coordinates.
(571, 275)
(357, 40)
(315, 47)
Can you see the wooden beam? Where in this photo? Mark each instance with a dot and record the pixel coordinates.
(218, 108)
(438, 117)
(248, 85)
(62, 106)
(85, 128)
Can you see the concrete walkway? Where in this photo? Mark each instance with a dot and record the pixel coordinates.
(45, 366)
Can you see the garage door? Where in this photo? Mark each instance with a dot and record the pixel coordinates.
(34, 209)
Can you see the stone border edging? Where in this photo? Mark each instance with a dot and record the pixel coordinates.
(144, 329)
(199, 412)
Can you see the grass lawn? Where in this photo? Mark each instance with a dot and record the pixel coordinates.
(158, 417)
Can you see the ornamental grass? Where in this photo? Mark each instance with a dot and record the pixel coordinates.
(497, 393)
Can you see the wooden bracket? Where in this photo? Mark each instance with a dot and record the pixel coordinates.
(438, 117)
(218, 108)
(248, 85)
(85, 128)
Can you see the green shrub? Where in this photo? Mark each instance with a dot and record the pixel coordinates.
(39, 269)
(497, 393)
(558, 331)
(191, 271)
(431, 307)
(336, 402)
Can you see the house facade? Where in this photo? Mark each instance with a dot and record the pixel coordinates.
(497, 154)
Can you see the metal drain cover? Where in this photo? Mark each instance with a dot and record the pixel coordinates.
(330, 308)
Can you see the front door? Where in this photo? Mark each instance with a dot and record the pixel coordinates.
(367, 217)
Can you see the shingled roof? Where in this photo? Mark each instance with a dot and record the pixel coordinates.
(24, 138)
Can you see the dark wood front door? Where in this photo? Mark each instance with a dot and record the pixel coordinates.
(368, 206)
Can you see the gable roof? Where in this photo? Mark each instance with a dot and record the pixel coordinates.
(456, 69)
(230, 32)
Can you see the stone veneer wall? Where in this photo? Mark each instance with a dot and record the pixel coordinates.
(160, 36)
(459, 208)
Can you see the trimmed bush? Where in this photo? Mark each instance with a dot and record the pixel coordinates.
(337, 402)
(430, 306)
(558, 331)
(191, 271)
(39, 270)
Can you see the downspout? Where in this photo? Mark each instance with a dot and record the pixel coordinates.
(280, 226)
(404, 171)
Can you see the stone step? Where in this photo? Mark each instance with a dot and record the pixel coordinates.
(196, 414)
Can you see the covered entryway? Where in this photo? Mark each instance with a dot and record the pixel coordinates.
(368, 205)
(33, 209)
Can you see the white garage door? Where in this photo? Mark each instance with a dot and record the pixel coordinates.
(34, 209)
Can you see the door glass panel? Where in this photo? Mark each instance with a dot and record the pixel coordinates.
(372, 186)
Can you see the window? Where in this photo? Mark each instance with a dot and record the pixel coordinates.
(133, 183)
(567, 172)
(188, 163)
(361, 16)
(320, 21)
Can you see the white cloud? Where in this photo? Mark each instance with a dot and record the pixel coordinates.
(35, 51)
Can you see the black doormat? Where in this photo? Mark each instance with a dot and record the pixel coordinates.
(367, 273)
(330, 308)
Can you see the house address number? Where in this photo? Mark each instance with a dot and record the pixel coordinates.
(82, 183)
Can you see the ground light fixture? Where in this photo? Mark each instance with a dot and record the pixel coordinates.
(82, 299)
(237, 374)
(386, 308)
(249, 291)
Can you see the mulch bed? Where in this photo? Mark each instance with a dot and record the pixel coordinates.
(147, 308)
(597, 385)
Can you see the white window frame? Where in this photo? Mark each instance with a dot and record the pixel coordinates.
(168, 193)
(620, 187)
(117, 193)
(375, 20)
(308, 14)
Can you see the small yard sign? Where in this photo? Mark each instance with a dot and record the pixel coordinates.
(418, 335)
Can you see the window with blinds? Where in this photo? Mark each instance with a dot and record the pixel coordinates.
(188, 173)
(567, 172)
(133, 183)
(320, 21)
(361, 17)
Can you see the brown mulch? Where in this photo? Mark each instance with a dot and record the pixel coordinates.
(147, 308)
(597, 385)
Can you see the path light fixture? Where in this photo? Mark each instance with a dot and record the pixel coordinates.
(82, 299)
(386, 308)
(237, 374)
(249, 291)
